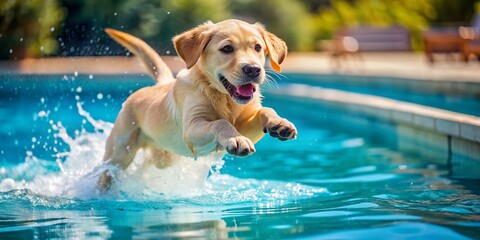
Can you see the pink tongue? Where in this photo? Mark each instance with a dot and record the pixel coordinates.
(246, 90)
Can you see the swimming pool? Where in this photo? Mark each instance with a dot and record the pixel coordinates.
(454, 95)
(330, 183)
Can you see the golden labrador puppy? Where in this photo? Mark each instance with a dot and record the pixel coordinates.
(213, 105)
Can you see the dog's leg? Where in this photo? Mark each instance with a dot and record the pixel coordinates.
(265, 120)
(121, 147)
(221, 132)
(203, 132)
(276, 126)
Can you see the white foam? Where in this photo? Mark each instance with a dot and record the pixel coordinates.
(81, 166)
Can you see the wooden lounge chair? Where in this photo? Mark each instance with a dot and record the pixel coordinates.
(445, 40)
(463, 40)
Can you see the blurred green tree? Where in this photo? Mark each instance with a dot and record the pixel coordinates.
(41, 27)
(454, 13)
(28, 28)
(155, 21)
(288, 19)
(414, 15)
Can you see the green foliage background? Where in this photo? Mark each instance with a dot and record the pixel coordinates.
(32, 28)
(28, 28)
(413, 15)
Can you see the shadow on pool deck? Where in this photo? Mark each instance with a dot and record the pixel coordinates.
(405, 65)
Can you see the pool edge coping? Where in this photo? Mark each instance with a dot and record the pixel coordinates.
(456, 133)
(435, 119)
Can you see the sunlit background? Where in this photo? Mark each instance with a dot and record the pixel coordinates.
(39, 28)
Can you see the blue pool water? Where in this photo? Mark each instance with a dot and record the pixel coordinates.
(328, 184)
(400, 89)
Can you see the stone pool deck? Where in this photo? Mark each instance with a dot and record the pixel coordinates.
(405, 65)
(452, 137)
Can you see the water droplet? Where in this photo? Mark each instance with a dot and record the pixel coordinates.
(42, 49)
(75, 74)
(34, 139)
(42, 100)
(77, 97)
(90, 76)
(168, 12)
(100, 96)
(168, 52)
(21, 39)
(52, 29)
(115, 14)
(42, 114)
(11, 51)
(79, 89)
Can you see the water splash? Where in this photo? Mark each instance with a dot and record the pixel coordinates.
(75, 173)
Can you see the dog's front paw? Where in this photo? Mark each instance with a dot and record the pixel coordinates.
(240, 146)
(281, 128)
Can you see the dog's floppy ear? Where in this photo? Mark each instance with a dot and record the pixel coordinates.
(276, 48)
(190, 44)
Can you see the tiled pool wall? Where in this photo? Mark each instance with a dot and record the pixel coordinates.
(438, 136)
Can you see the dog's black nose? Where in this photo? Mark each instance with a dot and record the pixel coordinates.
(251, 70)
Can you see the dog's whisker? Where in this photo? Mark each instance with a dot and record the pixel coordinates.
(273, 77)
(276, 74)
(271, 81)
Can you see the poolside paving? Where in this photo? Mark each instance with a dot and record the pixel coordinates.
(405, 65)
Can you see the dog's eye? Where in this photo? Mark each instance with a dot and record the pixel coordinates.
(227, 49)
(258, 48)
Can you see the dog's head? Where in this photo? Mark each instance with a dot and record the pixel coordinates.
(232, 55)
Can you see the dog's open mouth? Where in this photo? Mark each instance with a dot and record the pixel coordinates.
(242, 93)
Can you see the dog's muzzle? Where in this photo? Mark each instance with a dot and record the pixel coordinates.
(240, 94)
